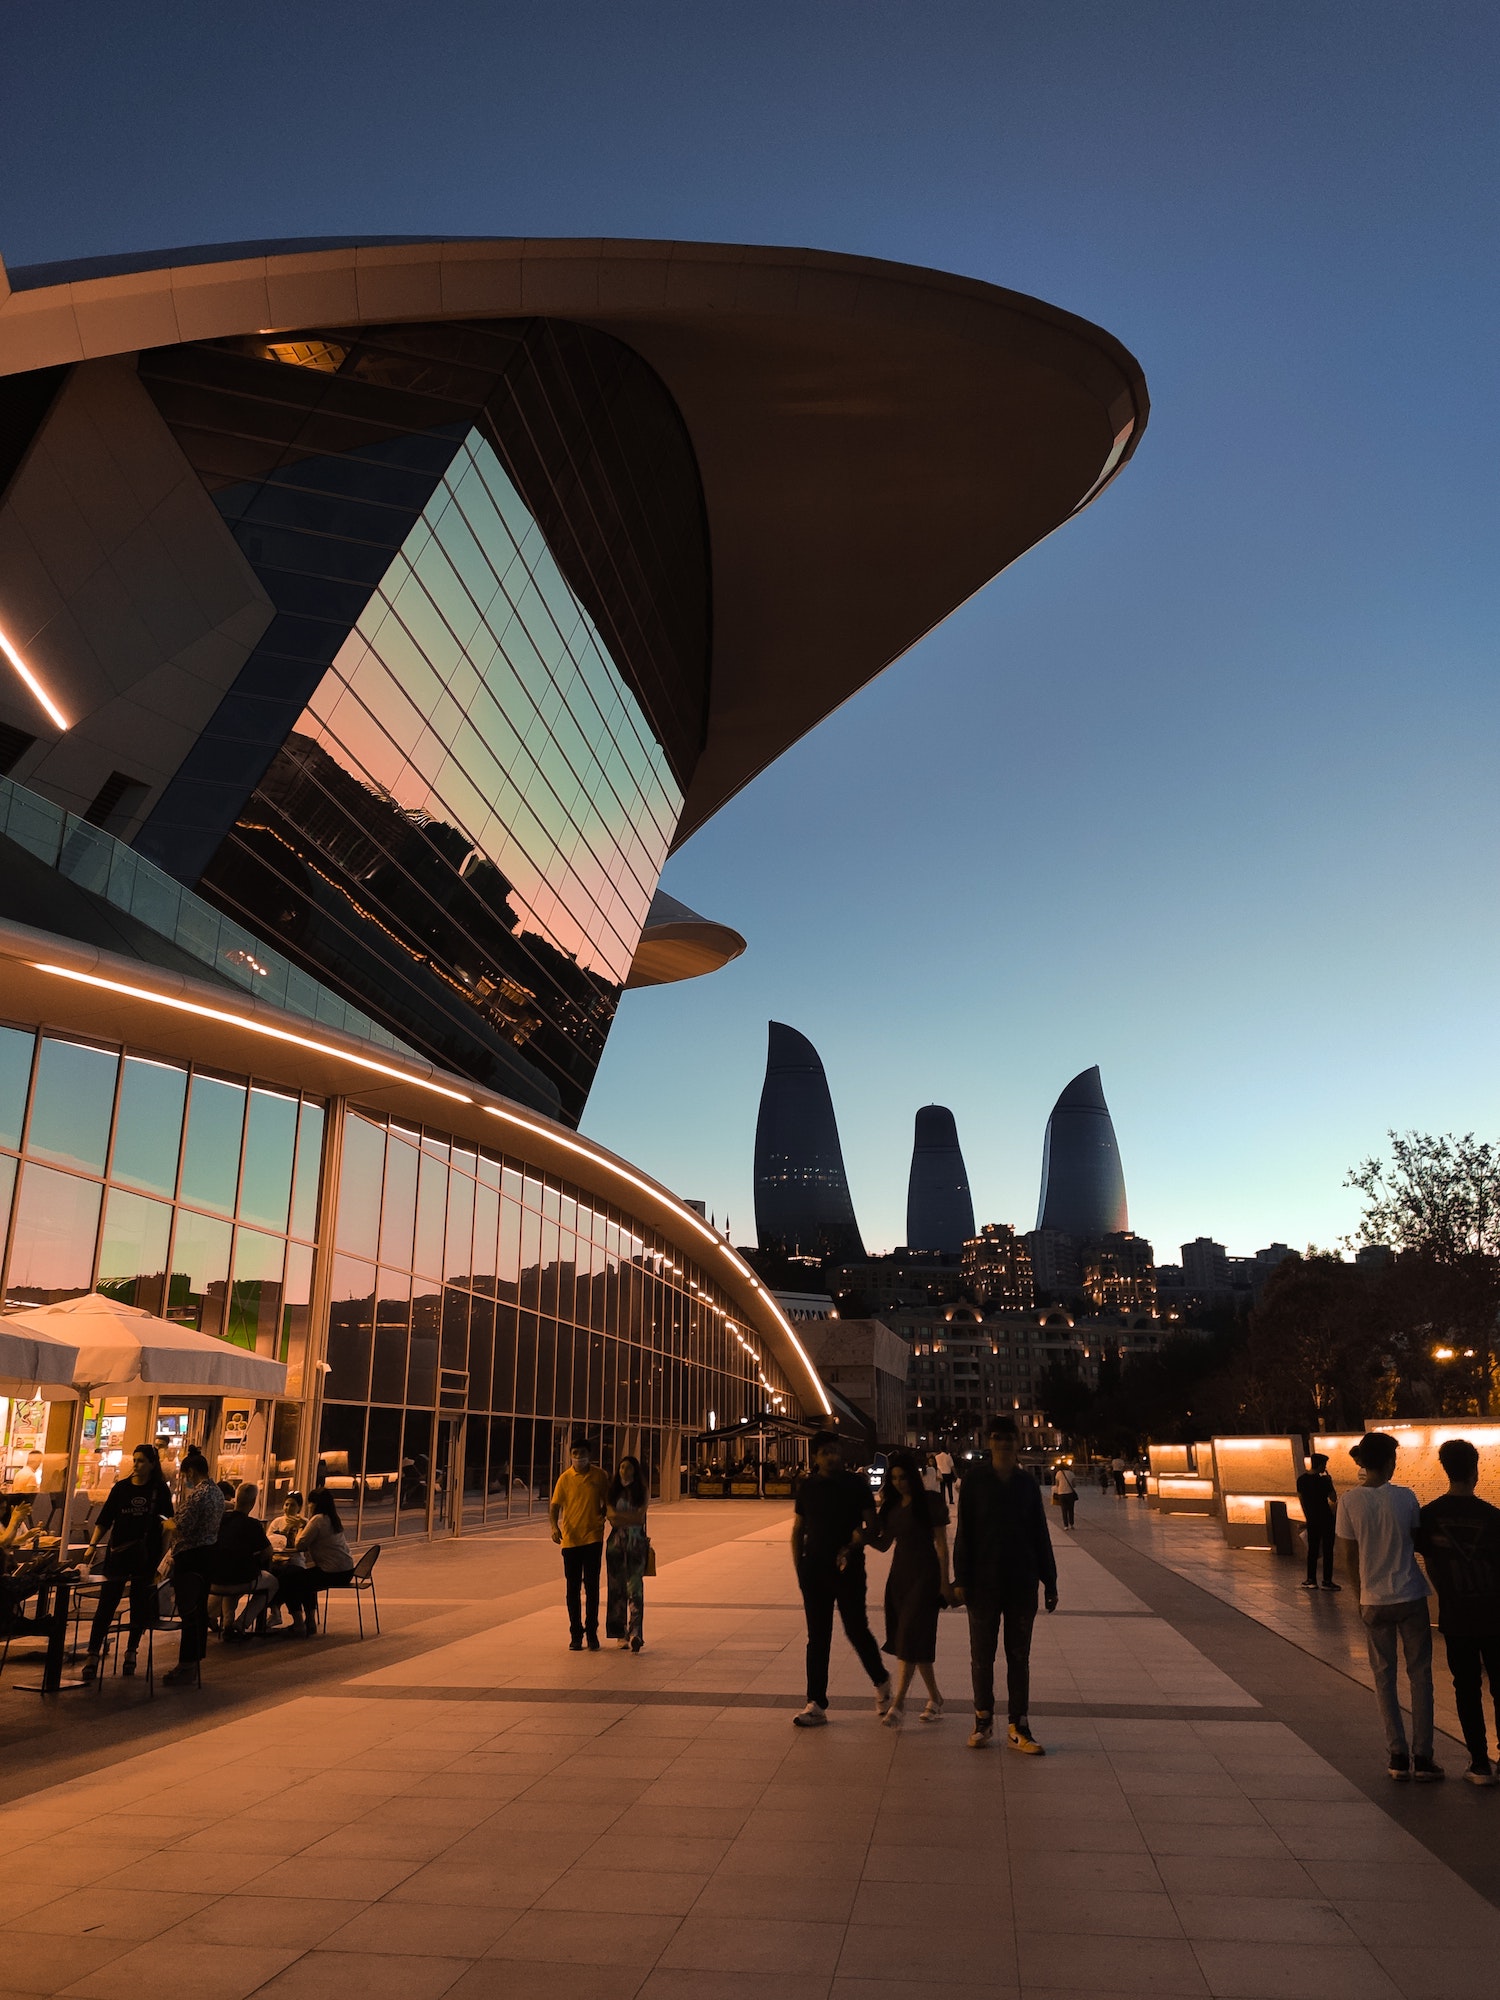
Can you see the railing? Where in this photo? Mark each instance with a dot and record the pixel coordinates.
(109, 869)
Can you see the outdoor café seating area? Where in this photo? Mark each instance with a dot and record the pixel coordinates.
(82, 1384)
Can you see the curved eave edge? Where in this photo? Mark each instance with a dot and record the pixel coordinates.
(38, 966)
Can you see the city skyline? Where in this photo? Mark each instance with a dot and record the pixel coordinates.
(1181, 793)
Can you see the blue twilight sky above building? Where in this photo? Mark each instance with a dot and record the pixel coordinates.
(1201, 791)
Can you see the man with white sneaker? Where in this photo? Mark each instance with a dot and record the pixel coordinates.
(1002, 1553)
(834, 1512)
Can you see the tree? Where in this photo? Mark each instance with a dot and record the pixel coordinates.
(1438, 1206)
(1066, 1398)
(1438, 1198)
(1311, 1351)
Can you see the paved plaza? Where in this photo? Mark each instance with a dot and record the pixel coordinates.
(465, 1808)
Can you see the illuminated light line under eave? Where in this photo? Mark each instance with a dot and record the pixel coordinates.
(41, 694)
(686, 1215)
(250, 1027)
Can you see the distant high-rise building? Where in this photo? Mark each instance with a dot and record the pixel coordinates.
(802, 1203)
(1205, 1264)
(1054, 1260)
(939, 1207)
(996, 1270)
(1083, 1183)
(1119, 1273)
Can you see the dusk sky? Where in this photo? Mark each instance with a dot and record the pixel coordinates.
(1202, 789)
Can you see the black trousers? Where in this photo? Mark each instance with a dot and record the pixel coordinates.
(581, 1570)
(825, 1589)
(1069, 1508)
(1320, 1542)
(190, 1571)
(1471, 1661)
(986, 1617)
(142, 1590)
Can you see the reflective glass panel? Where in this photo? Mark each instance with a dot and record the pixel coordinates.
(15, 1077)
(254, 1319)
(52, 1241)
(460, 1258)
(360, 1176)
(350, 1316)
(392, 1317)
(270, 1143)
(73, 1104)
(197, 1294)
(148, 1131)
(426, 1319)
(296, 1296)
(399, 1209)
(309, 1165)
(133, 1250)
(211, 1155)
(432, 1208)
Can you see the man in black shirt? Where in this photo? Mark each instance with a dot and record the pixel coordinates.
(1458, 1539)
(1001, 1552)
(833, 1510)
(1319, 1500)
(241, 1561)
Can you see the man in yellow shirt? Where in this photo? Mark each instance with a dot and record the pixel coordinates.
(577, 1517)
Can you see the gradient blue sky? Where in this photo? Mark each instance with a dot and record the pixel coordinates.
(1201, 790)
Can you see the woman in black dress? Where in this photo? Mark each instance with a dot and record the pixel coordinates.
(913, 1523)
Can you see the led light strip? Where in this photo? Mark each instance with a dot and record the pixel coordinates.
(685, 1214)
(32, 682)
(250, 1027)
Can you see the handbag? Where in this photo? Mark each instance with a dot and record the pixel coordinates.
(650, 1569)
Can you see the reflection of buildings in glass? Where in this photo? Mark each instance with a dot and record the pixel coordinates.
(802, 1201)
(452, 662)
(939, 1207)
(996, 1270)
(1083, 1184)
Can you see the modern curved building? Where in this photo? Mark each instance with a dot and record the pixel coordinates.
(376, 617)
(1083, 1183)
(802, 1202)
(939, 1207)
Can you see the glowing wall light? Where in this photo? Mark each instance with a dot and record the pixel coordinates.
(40, 693)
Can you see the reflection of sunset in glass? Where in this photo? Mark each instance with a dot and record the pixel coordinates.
(475, 692)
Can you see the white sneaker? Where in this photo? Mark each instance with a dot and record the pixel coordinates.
(893, 1717)
(811, 1717)
(883, 1697)
(933, 1712)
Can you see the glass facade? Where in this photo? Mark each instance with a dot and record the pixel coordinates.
(480, 1311)
(447, 778)
(186, 1192)
(483, 1312)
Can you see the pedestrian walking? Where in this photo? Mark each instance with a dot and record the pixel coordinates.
(626, 1555)
(1002, 1553)
(1103, 1478)
(913, 1524)
(1117, 1471)
(136, 1514)
(1319, 1497)
(1140, 1482)
(944, 1463)
(200, 1509)
(1377, 1523)
(833, 1515)
(1458, 1538)
(577, 1514)
(930, 1477)
(1065, 1494)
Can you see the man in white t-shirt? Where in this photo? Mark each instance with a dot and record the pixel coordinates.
(1376, 1523)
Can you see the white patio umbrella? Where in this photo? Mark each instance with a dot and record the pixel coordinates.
(29, 1362)
(121, 1350)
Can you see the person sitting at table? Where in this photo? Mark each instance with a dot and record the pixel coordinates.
(136, 1514)
(242, 1560)
(284, 1531)
(18, 1531)
(329, 1565)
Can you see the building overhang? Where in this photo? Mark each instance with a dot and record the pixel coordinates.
(678, 944)
(875, 441)
(73, 989)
